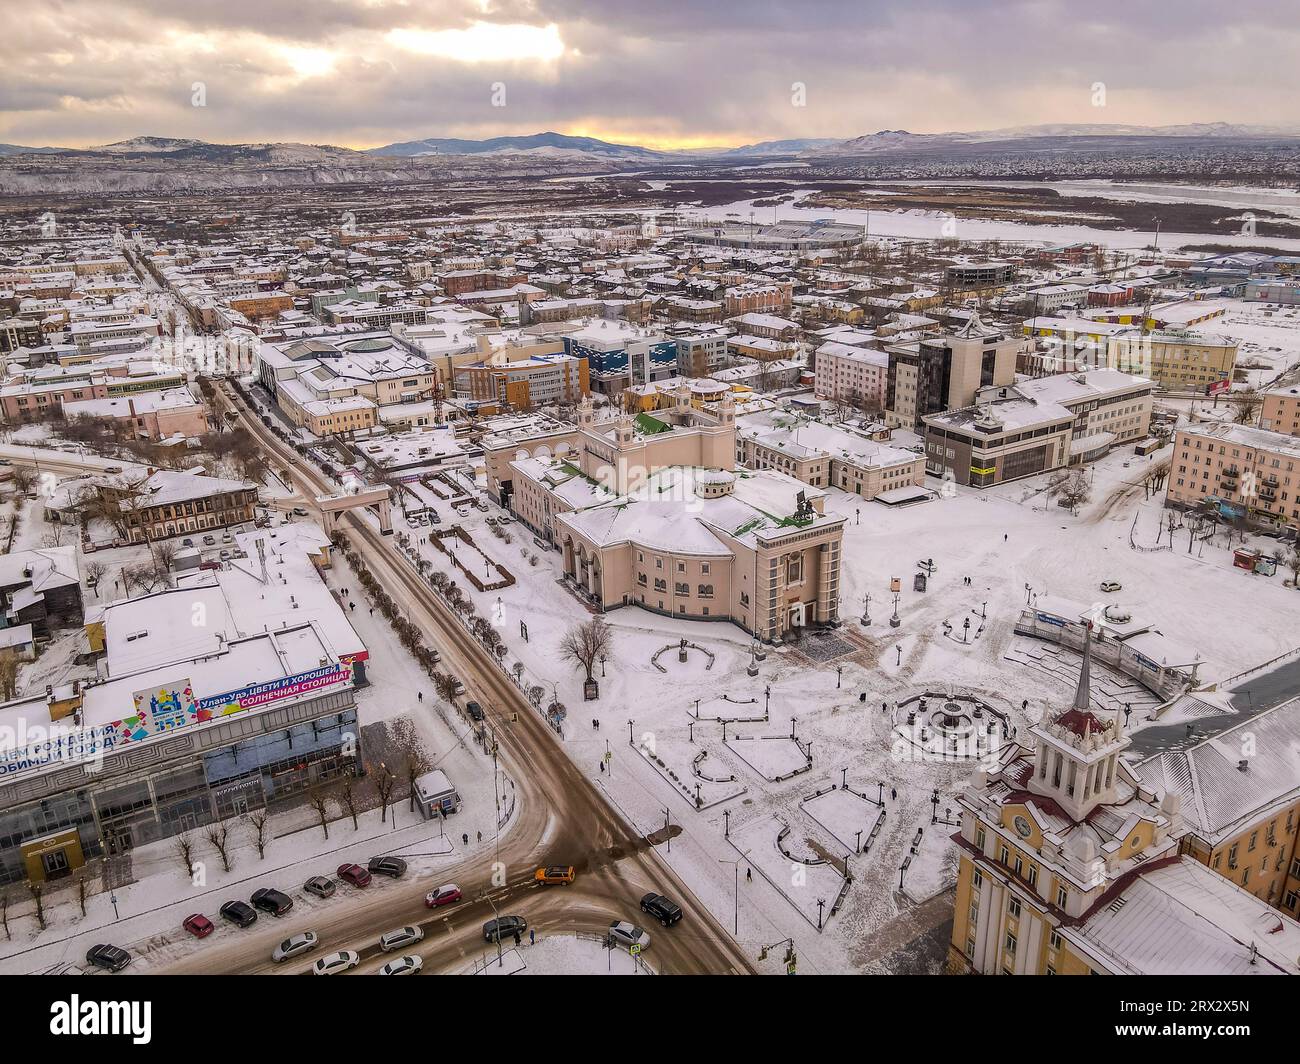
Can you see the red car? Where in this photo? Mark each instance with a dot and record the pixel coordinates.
(354, 874)
(198, 925)
(445, 895)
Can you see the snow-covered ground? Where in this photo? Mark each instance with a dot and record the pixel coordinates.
(1003, 538)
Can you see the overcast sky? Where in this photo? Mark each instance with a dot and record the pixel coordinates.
(665, 73)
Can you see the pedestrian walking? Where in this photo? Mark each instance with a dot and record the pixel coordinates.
(465, 838)
(532, 936)
(1025, 704)
(519, 939)
(480, 836)
(749, 875)
(420, 695)
(893, 794)
(602, 767)
(1005, 536)
(593, 723)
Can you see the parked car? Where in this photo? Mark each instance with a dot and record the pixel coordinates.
(270, 900)
(110, 958)
(448, 894)
(627, 934)
(475, 711)
(112, 469)
(197, 925)
(392, 867)
(400, 939)
(555, 874)
(504, 927)
(403, 966)
(300, 511)
(457, 687)
(665, 911)
(239, 913)
(209, 541)
(354, 874)
(336, 962)
(1111, 585)
(295, 946)
(321, 886)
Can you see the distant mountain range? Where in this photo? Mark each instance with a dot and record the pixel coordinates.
(561, 145)
(533, 142)
(891, 140)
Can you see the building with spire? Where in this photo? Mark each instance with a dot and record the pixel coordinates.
(1071, 864)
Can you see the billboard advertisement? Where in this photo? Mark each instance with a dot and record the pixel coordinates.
(157, 710)
(258, 695)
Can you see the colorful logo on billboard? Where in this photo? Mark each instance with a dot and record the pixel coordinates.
(158, 710)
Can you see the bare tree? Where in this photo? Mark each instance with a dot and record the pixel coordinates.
(8, 674)
(1293, 563)
(416, 765)
(183, 847)
(586, 643)
(347, 795)
(320, 802)
(1245, 406)
(38, 897)
(95, 572)
(24, 479)
(1071, 488)
(258, 820)
(219, 835)
(385, 784)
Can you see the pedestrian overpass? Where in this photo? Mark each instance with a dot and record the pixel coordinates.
(332, 507)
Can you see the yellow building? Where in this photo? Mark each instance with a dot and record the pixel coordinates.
(1071, 864)
(1240, 796)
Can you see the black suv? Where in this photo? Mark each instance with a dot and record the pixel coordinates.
(272, 901)
(475, 711)
(112, 958)
(393, 867)
(239, 913)
(665, 911)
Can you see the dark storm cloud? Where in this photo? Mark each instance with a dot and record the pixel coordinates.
(368, 71)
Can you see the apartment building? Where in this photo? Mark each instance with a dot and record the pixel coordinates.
(521, 384)
(155, 415)
(1240, 802)
(1243, 472)
(1280, 410)
(1178, 361)
(824, 455)
(847, 373)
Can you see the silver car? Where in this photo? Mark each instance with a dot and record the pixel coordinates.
(295, 946)
(400, 939)
(411, 965)
(627, 934)
(336, 962)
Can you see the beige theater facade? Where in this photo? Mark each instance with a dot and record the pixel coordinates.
(649, 512)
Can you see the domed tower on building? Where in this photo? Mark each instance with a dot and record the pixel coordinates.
(1077, 752)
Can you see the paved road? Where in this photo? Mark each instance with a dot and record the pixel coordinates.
(562, 818)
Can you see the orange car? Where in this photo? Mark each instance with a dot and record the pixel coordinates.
(555, 874)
